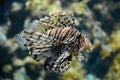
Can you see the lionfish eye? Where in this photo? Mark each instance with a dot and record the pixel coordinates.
(79, 36)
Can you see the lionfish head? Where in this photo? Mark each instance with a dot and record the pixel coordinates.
(85, 43)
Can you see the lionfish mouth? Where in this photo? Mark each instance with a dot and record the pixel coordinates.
(88, 46)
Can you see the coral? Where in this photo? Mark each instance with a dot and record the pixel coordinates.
(114, 72)
(75, 72)
(114, 40)
(38, 7)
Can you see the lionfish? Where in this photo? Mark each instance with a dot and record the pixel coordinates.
(56, 39)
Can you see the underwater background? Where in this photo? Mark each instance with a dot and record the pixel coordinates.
(99, 19)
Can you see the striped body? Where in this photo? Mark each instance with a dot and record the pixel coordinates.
(63, 33)
(68, 35)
